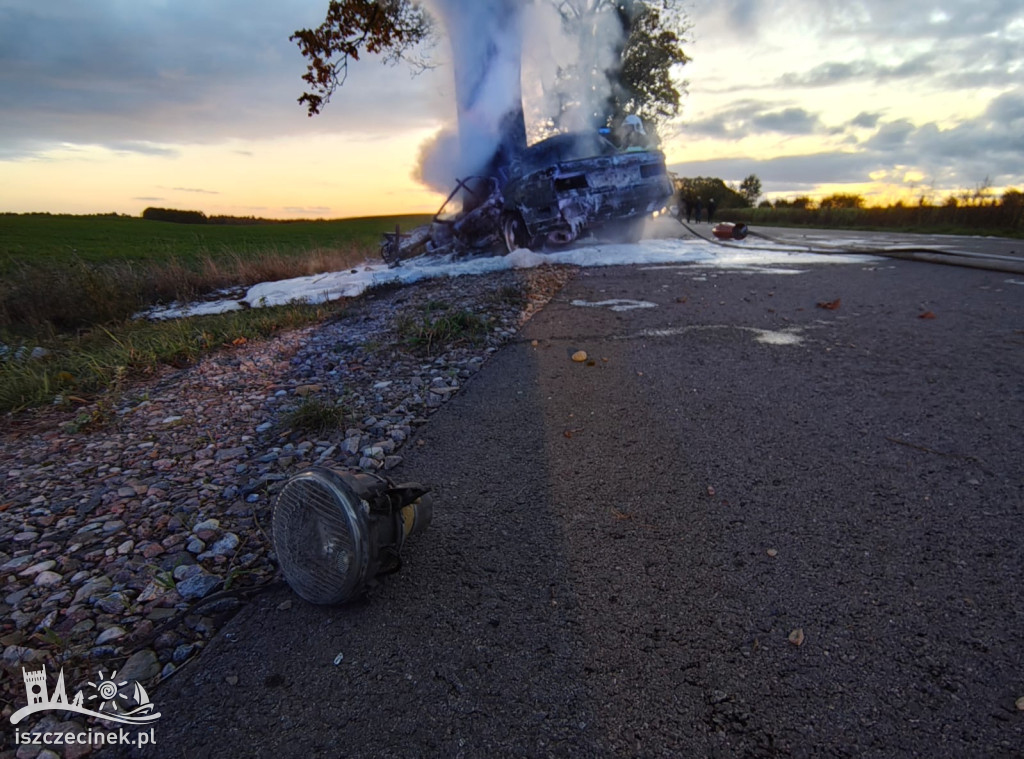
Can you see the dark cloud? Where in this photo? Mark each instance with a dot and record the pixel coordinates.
(903, 22)
(747, 117)
(865, 120)
(989, 147)
(138, 76)
(961, 50)
(891, 136)
(1008, 110)
(145, 76)
(969, 45)
(786, 121)
(805, 171)
(831, 74)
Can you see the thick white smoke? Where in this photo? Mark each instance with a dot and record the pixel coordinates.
(509, 56)
(486, 43)
(564, 65)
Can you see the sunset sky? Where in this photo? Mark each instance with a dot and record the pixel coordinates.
(115, 105)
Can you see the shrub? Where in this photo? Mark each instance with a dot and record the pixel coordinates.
(174, 215)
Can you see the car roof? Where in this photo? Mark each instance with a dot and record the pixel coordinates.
(562, 147)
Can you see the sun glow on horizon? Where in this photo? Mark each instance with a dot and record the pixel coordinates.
(320, 176)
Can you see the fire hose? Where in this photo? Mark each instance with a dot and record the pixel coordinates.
(988, 261)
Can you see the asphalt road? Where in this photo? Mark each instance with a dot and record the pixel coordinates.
(978, 244)
(623, 552)
(1005, 248)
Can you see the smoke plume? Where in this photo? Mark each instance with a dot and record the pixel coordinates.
(495, 46)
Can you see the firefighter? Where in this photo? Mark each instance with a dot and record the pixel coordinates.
(632, 133)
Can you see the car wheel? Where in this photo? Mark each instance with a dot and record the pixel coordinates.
(513, 229)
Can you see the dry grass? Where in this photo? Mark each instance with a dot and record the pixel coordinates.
(438, 325)
(80, 295)
(82, 314)
(83, 366)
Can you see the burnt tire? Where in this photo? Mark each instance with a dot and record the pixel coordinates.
(514, 232)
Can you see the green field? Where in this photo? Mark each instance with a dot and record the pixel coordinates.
(45, 240)
(71, 272)
(71, 285)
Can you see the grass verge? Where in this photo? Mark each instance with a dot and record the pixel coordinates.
(315, 415)
(437, 326)
(77, 367)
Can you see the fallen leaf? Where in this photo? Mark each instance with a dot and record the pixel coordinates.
(1020, 703)
(711, 490)
(239, 341)
(620, 515)
(231, 679)
(797, 637)
(579, 356)
(604, 359)
(927, 315)
(534, 343)
(830, 305)
(773, 552)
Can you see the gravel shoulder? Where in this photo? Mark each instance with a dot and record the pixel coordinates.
(126, 543)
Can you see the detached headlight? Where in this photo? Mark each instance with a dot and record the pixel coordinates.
(334, 531)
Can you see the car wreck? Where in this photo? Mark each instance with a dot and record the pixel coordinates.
(555, 192)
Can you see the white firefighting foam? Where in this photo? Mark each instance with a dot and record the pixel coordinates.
(320, 288)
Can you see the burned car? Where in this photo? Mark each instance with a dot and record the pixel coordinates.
(571, 184)
(553, 193)
(469, 221)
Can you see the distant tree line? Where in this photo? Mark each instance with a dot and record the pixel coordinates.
(690, 189)
(108, 215)
(177, 216)
(963, 212)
